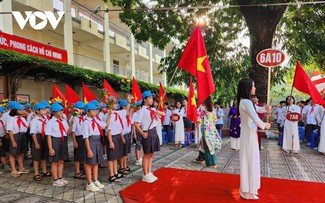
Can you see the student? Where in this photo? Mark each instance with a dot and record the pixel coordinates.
(234, 126)
(39, 147)
(158, 121)
(115, 143)
(249, 156)
(137, 136)
(4, 143)
(220, 114)
(126, 147)
(57, 130)
(92, 134)
(17, 128)
(179, 126)
(167, 123)
(78, 140)
(150, 139)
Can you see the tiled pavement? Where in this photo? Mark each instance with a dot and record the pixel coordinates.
(308, 165)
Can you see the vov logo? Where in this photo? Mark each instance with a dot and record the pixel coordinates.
(45, 17)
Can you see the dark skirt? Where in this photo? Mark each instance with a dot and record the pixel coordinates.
(79, 153)
(152, 143)
(60, 149)
(43, 152)
(127, 146)
(187, 123)
(116, 153)
(138, 140)
(96, 147)
(21, 140)
(4, 148)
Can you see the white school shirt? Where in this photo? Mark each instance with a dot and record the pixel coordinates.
(144, 119)
(311, 116)
(29, 118)
(167, 117)
(220, 114)
(126, 126)
(13, 125)
(134, 115)
(115, 124)
(2, 127)
(103, 116)
(77, 125)
(36, 125)
(6, 117)
(87, 127)
(53, 129)
(278, 113)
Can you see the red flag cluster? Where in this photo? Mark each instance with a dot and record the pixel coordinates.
(136, 92)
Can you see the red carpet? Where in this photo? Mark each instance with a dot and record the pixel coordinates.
(176, 185)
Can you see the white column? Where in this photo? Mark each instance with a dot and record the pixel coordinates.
(107, 50)
(68, 35)
(132, 55)
(164, 73)
(6, 19)
(150, 64)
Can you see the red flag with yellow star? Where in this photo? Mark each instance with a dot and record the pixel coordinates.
(191, 112)
(110, 91)
(136, 92)
(195, 61)
(71, 95)
(88, 95)
(161, 100)
(57, 95)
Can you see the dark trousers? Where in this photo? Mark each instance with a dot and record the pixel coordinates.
(167, 129)
(309, 130)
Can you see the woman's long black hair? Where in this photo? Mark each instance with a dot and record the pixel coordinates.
(244, 90)
(208, 103)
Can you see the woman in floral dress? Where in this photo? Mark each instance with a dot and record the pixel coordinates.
(211, 140)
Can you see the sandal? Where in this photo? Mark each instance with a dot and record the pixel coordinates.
(119, 175)
(79, 176)
(112, 179)
(23, 171)
(128, 169)
(123, 171)
(15, 174)
(37, 178)
(47, 174)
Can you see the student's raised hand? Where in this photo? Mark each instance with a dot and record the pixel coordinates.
(90, 154)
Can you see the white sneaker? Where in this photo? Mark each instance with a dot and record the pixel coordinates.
(147, 178)
(64, 181)
(92, 187)
(99, 185)
(153, 176)
(105, 156)
(137, 163)
(57, 183)
(140, 161)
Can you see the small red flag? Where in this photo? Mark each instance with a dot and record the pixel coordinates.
(88, 95)
(304, 84)
(110, 91)
(195, 61)
(161, 100)
(191, 113)
(71, 95)
(136, 92)
(57, 95)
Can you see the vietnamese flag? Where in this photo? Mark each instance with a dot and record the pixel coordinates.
(304, 84)
(191, 113)
(57, 95)
(71, 95)
(161, 100)
(136, 92)
(195, 61)
(110, 91)
(88, 95)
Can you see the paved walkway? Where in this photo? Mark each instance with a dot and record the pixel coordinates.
(308, 165)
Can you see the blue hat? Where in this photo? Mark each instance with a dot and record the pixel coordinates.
(103, 105)
(139, 103)
(1, 109)
(16, 105)
(56, 107)
(79, 105)
(122, 103)
(90, 106)
(95, 102)
(10, 103)
(146, 94)
(39, 106)
(47, 105)
(27, 105)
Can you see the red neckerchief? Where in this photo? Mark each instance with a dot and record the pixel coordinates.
(81, 119)
(93, 125)
(3, 125)
(128, 120)
(43, 121)
(117, 116)
(62, 129)
(20, 122)
(152, 113)
(48, 117)
(98, 118)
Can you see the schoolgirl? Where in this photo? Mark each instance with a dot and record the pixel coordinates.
(39, 147)
(4, 142)
(57, 130)
(17, 128)
(150, 141)
(78, 141)
(92, 133)
(179, 125)
(137, 136)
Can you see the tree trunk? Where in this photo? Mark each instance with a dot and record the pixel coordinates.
(261, 23)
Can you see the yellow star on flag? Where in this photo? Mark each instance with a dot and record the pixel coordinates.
(58, 99)
(193, 101)
(85, 100)
(199, 62)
